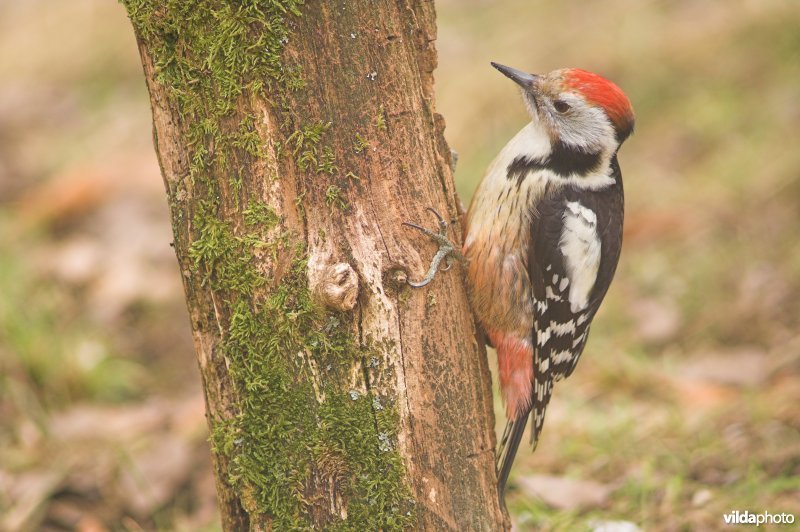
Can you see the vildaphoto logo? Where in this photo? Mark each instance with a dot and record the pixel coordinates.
(746, 517)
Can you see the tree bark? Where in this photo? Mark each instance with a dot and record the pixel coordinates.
(293, 141)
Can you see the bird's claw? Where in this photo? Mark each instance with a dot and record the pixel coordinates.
(447, 251)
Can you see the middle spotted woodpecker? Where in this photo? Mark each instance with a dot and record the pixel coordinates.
(542, 238)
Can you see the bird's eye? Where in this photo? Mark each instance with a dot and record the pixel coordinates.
(561, 106)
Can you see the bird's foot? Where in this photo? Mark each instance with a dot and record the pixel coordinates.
(447, 251)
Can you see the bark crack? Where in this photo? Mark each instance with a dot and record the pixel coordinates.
(403, 369)
(380, 232)
(479, 452)
(400, 334)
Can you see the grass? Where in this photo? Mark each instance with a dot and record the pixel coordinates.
(51, 354)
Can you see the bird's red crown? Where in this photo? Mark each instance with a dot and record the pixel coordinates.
(605, 94)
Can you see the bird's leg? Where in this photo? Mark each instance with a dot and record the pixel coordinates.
(447, 251)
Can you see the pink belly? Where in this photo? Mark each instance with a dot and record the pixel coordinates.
(515, 367)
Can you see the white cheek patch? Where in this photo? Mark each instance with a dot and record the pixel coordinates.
(587, 127)
(580, 246)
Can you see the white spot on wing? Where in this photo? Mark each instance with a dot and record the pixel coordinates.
(580, 245)
(548, 292)
(542, 337)
(561, 357)
(560, 329)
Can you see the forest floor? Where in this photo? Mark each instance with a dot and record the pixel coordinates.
(684, 406)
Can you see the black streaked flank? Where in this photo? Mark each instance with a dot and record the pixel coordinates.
(563, 161)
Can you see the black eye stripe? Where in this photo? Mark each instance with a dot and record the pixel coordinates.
(561, 106)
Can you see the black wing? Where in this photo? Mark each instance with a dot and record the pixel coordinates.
(559, 333)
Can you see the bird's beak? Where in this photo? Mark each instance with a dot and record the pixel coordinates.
(523, 79)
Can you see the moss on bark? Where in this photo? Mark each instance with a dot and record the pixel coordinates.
(295, 422)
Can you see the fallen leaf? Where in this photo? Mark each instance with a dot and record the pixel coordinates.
(613, 526)
(90, 523)
(702, 395)
(656, 320)
(744, 366)
(76, 261)
(701, 497)
(154, 474)
(115, 423)
(566, 493)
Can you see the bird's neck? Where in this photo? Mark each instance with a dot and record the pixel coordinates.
(588, 167)
(525, 168)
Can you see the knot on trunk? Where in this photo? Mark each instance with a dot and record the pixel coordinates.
(336, 286)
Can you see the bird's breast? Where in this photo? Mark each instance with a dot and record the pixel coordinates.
(496, 246)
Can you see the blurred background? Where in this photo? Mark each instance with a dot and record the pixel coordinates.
(686, 403)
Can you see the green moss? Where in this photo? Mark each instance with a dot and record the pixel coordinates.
(327, 160)
(304, 144)
(289, 361)
(284, 438)
(217, 47)
(431, 300)
(374, 470)
(333, 197)
(247, 138)
(236, 187)
(260, 214)
(360, 144)
(220, 255)
(298, 202)
(209, 54)
(380, 120)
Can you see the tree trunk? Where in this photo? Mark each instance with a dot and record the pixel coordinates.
(293, 140)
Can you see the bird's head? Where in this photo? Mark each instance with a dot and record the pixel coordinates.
(576, 107)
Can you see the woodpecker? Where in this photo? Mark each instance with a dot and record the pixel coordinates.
(542, 238)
